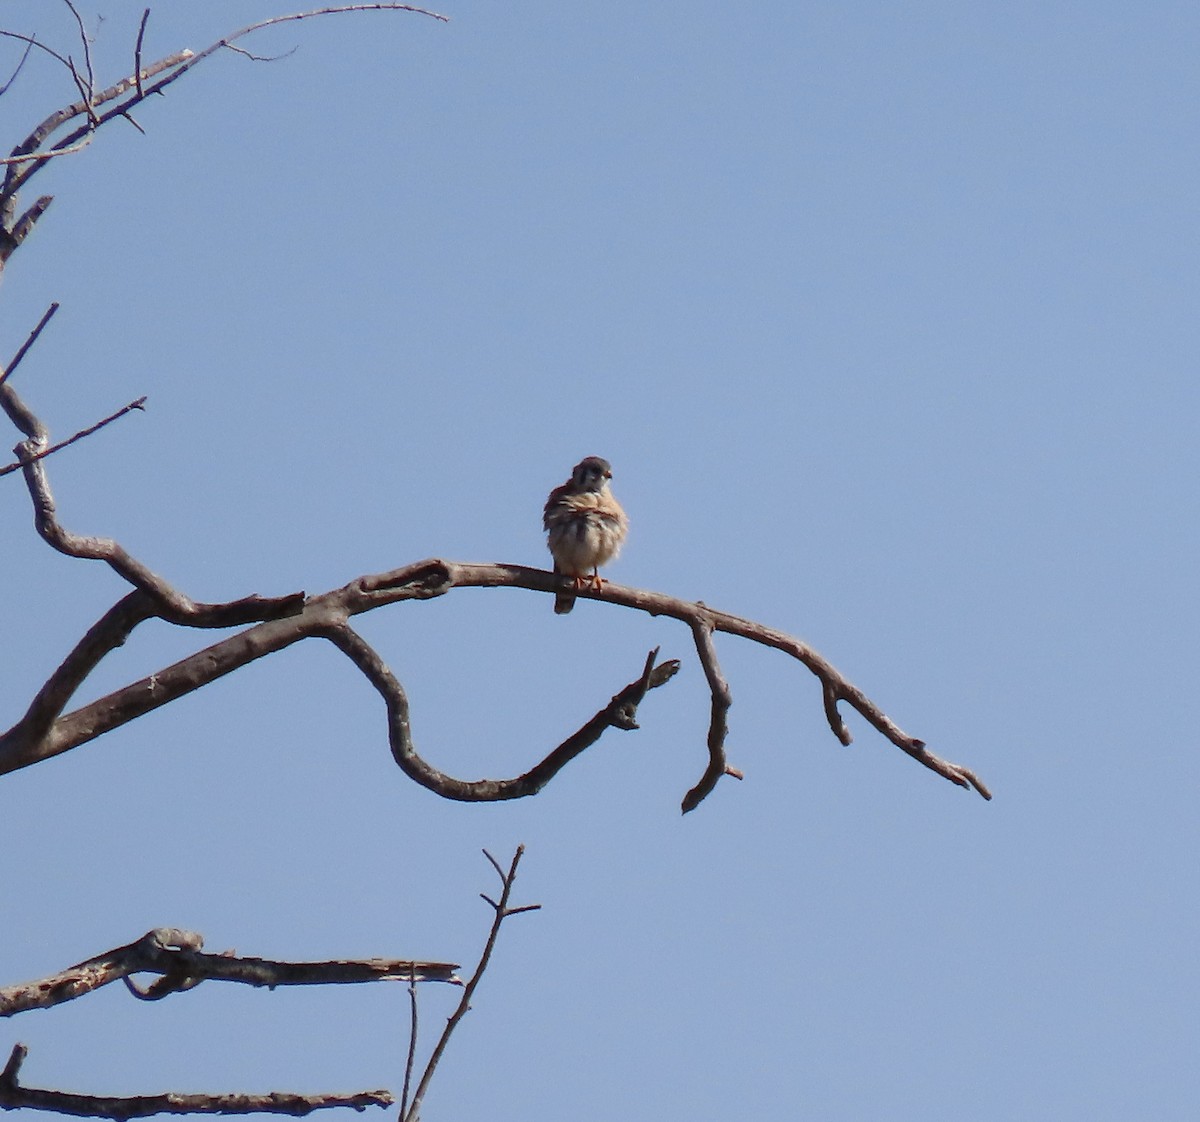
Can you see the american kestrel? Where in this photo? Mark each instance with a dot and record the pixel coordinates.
(585, 527)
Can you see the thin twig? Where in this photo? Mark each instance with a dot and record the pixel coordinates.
(87, 51)
(260, 58)
(502, 912)
(20, 65)
(137, 53)
(31, 41)
(412, 1045)
(85, 92)
(42, 157)
(140, 403)
(15, 361)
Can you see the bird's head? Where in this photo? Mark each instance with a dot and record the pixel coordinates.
(591, 474)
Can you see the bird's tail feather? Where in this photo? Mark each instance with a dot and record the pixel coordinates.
(565, 600)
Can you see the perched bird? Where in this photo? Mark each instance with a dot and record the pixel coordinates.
(585, 527)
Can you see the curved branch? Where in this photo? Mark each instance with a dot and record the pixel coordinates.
(44, 732)
(172, 604)
(718, 726)
(325, 616)
(836, 688)
(618, 713)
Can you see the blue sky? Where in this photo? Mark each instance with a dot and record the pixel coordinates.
(885, 316)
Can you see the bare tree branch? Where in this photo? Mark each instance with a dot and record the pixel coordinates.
(173, 605)
(502, 912)
(14, 1097)
(137, 53)
(15, 361)
(177, 957)
(43, 733)
(618, 713)
(718, 726)
(17, 70)
(410, 1059)
(90, 86)
(32, 41)
(14, 233)
(172, 68)
(140, 403)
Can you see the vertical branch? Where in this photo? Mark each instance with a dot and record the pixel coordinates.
(412, 1044)
(137, 53)
(503, 911)
(718, 724)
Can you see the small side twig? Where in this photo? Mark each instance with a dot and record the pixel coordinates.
(410, 1062)
(260, 58)
(502, 912)
(23, 349)
(19, 67)
(137, 53)
(89, 89)
(140, 404)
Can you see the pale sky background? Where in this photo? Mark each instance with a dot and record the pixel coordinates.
(886, 316)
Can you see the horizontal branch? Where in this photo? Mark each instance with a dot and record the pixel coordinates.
(176, 956)
(43, 733)
(13, 1096)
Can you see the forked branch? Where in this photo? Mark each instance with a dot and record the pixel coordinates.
(45, 143)
(410, 1111)
(46, 730)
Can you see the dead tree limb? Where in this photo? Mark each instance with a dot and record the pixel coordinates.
(13, 1096)
(45, 730)
(176, 956)
(32, 154)
(140, 403)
